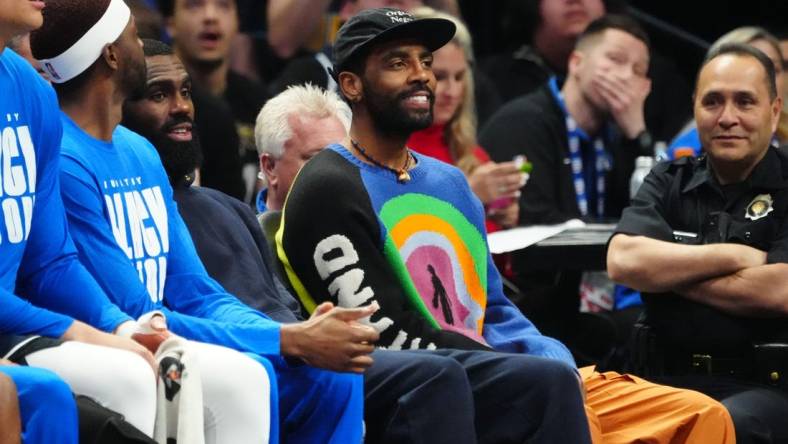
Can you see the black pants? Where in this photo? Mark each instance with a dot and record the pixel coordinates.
(759, 412)
(450, 396)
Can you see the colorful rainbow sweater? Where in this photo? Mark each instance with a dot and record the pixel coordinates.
(351, 234)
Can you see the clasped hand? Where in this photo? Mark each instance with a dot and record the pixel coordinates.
(333, 338)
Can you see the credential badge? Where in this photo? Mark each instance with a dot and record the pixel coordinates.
(760, 206)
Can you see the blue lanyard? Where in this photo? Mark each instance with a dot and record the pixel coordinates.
(598, 168)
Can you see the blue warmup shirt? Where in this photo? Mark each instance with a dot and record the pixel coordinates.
(37, 258)
(129, 234)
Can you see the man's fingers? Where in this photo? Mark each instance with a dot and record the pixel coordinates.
(612, 95)
(364, 333)
(325, 307)
(352, 314)
(361, 349)
(158, 323)
(362, 362)
(506, 168)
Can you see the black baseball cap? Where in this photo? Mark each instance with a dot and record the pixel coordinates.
(372, 27)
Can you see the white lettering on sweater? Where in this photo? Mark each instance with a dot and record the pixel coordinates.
(332, 255)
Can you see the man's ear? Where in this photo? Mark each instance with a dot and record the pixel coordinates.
(267, 164)
(351, 86)
(575, 60)
(110, 55)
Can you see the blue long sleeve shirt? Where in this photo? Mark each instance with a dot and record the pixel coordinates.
(40, 275)
(129, 235)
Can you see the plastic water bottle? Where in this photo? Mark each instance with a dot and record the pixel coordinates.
(643, 165)
(660, 151)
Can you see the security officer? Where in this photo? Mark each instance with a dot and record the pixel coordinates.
(706, 240)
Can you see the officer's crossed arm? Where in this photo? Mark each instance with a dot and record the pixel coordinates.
(730, 277)
(754, 291)
(655, 266)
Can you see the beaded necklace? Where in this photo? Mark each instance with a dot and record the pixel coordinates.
(401, 174)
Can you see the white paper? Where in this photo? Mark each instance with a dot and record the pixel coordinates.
(521, 237)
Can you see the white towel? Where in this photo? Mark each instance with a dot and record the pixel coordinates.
(179, 407)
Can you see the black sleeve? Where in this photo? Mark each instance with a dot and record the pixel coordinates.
(330, 243)
(520, 127)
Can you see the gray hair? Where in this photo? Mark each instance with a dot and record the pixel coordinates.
(272, 128)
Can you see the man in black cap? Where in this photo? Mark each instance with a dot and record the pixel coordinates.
(396, 227)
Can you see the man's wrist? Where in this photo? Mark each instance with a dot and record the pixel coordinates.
(289, 335)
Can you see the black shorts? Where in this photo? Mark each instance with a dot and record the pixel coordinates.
(15, 348)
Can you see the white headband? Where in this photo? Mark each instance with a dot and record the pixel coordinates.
(76, 59)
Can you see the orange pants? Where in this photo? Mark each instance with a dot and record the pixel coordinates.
(628, 409)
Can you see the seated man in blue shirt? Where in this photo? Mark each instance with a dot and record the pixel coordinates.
(40, 276)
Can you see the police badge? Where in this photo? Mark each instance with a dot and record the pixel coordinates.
(760, 206)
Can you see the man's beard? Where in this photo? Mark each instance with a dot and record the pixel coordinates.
(389, 116)
(180, 159)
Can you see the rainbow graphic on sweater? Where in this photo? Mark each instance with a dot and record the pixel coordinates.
(440, 257)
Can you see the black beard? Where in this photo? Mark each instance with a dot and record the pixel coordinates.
(180, 159)
(390, 118)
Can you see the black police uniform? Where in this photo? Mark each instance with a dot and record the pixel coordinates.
(697, 346)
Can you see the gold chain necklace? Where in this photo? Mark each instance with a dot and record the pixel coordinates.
(401, 174)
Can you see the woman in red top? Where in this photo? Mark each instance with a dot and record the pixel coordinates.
(452, 137)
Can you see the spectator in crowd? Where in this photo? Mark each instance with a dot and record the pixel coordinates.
(39, 268)
(582, 140)
(452, 136)
(408, 234)
(202, 34)
(553, 27)
(688, 143)
(704, 240)
(130, 237)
